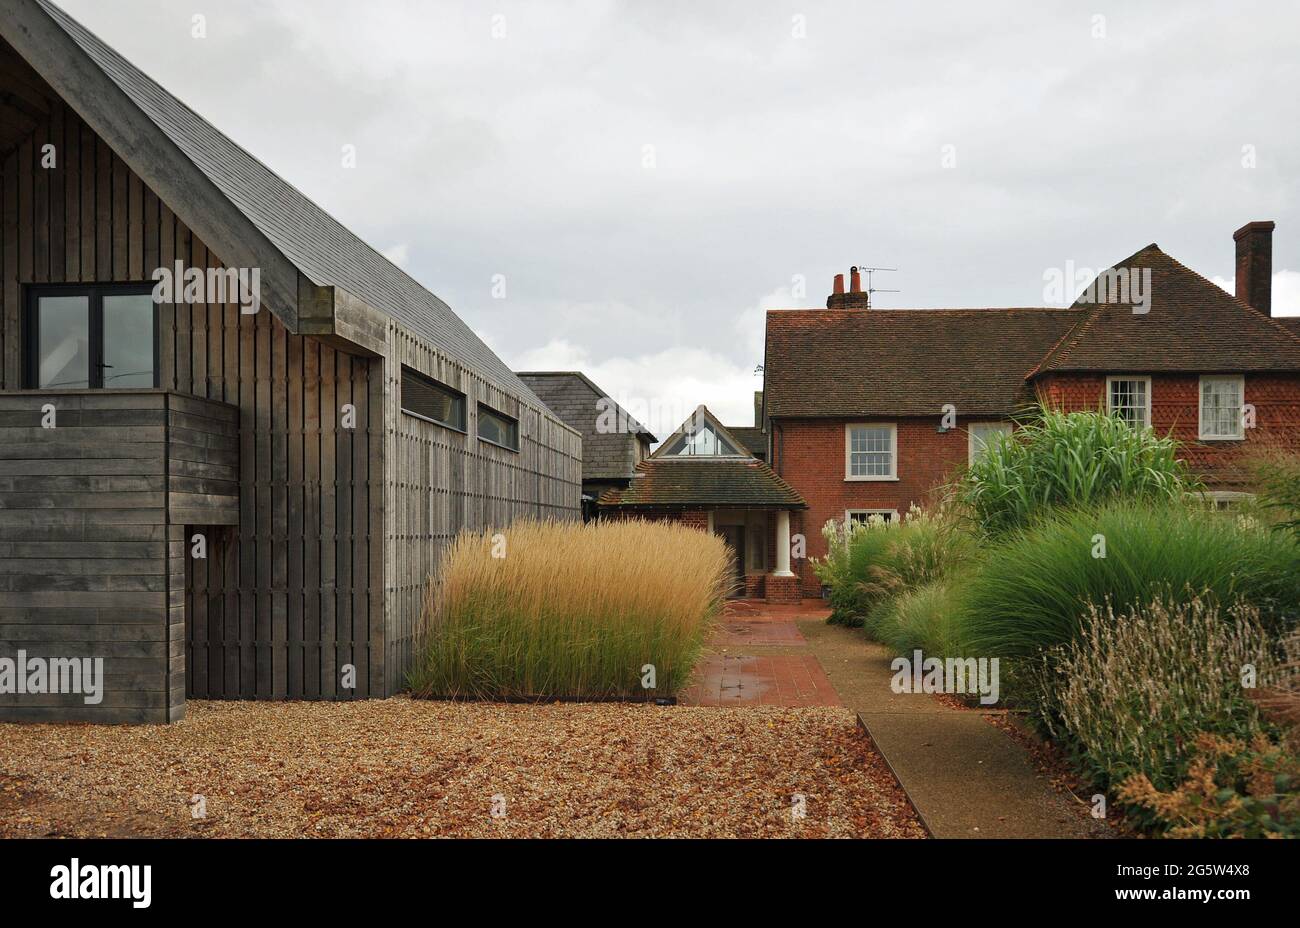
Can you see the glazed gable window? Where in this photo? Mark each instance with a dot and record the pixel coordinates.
(1129, 398)
(871, 451)
(91, 338)
(704, 440)
(1222, 399)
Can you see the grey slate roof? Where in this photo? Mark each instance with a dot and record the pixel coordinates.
(753, 438)
(573, 398)
(318, 244)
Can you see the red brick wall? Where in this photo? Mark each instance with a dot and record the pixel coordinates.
(1175, 410)
(696, 518)
(810, 452)
(810, 455)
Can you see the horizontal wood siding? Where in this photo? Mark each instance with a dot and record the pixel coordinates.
(92, 560)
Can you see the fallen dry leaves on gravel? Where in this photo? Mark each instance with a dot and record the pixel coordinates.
(408, 768)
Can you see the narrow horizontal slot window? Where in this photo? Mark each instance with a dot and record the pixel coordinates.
(428, 399)
(497, 428)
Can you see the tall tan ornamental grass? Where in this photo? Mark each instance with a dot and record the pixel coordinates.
(565, 609)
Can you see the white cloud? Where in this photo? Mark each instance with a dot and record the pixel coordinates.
(399, 254)
(522, 155)
(751, 324)
(659, 389)
(1286, 291)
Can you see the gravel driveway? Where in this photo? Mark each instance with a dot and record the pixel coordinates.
(406, 768)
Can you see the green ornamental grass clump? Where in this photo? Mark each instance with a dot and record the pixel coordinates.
(1034, 587)
(921, 618)
(1070, 460)
(871, 564)
(1275, 474)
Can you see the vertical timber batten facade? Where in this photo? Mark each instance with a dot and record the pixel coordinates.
(322, 505)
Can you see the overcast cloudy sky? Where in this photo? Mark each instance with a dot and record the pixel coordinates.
(647, 178)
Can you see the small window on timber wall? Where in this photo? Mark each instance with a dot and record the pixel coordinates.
(91, 338)
(429, 400)
(497, 429)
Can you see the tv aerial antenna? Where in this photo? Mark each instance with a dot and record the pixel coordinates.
(871, 289)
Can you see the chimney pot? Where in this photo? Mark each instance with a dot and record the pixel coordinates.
(839, 283)
(855, 280)
(1255, 264)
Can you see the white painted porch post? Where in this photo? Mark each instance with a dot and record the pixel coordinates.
(710, 521)
(783, 544)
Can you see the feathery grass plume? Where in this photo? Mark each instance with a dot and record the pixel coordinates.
(1063, 460)
(567, 609)
(1132, 692)
(1280, 702)
(870, 563)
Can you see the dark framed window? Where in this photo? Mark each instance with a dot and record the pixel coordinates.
(91, 337)
(429, 400)
(497, 428)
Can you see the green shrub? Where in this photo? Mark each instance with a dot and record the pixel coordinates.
(1130, 694)
(565, 609)
(853, 548)
(1276, 479)
(870, 564)
(1069, 460)
(919, 619)
(1033, 588)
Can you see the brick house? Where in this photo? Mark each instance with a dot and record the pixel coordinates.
(613, 442)
(869, 410)
(703, 475)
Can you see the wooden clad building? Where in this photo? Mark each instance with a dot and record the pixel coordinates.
(221, 497)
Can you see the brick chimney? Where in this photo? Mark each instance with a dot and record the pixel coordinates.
(1255, 265)
(856, 298)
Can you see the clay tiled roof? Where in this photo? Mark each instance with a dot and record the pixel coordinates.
(1191, 325)
(870, 362)
(906, 362)
(677, 483)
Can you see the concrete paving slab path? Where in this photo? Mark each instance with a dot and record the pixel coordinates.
(967, 778)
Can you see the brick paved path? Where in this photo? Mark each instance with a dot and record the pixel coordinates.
(758, 656)
(965, 777)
